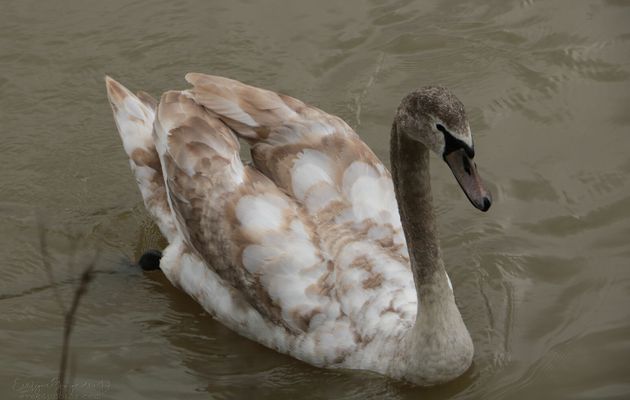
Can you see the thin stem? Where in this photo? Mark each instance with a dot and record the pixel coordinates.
(86, 277)
(70, 314)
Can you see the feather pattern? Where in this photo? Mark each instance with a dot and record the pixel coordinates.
(313, 156)
(303, 250)
(134, 117)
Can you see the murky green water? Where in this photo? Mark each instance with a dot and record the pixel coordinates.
(542, 280)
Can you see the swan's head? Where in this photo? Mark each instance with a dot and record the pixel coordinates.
(435, 117)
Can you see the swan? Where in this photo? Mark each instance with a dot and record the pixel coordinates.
(314, 249)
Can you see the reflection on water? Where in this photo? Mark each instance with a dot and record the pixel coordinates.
(542, 280)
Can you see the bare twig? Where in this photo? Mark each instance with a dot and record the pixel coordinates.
(69, 315)
(86, 277)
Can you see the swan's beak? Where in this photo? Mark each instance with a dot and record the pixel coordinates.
(465, 171)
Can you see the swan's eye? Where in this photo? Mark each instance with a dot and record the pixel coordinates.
(451, 143)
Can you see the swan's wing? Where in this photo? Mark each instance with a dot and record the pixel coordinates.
(315, 157)
(244, 249)
(254, 236)
(134, 115)
(186, 269)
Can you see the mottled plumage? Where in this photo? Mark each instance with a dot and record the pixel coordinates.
(302, 251)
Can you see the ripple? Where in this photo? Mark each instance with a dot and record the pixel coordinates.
(571, 224)
(541, 280)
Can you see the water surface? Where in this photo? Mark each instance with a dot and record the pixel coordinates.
(542, 280)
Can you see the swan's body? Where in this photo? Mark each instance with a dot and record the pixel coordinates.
(302, 251)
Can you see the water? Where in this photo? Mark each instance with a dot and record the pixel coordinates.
(542, 280)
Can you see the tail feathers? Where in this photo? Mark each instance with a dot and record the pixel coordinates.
(134, 116)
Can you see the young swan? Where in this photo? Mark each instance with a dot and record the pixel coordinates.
(315, 250)
(439, 347)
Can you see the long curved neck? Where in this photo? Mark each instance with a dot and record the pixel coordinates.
(412, 182)
(438, 347)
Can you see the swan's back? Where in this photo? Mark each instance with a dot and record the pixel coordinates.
(302, 251)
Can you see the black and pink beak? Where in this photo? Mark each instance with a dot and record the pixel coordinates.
(459, 157)
(465, 171)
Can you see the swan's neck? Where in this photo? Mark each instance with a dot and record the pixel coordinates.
(410, 170)
(438, 347)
